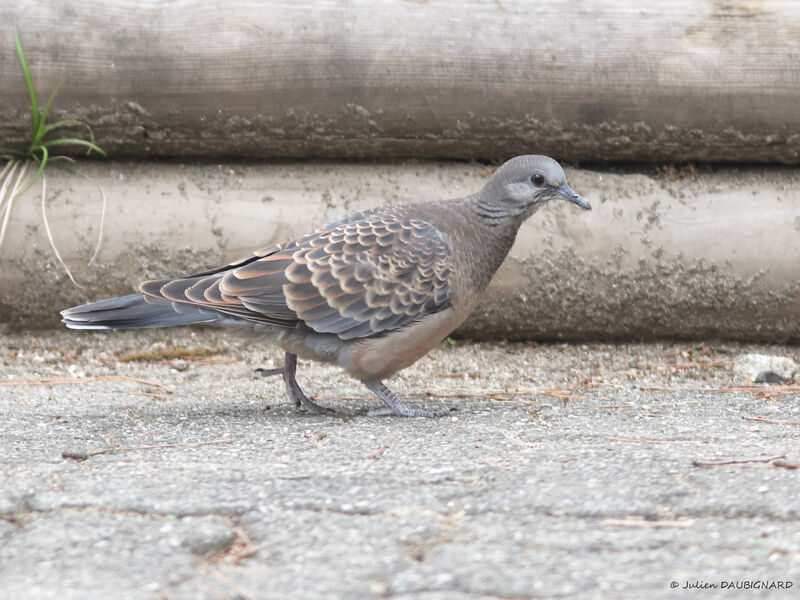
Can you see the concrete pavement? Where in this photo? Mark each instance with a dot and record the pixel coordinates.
(561, 474)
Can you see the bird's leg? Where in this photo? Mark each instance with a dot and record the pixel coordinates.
(288, 370)
(293, 389)
(395, 407)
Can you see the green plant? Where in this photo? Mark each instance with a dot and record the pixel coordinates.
(24, 167)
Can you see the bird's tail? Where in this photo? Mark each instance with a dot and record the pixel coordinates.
(133, 312)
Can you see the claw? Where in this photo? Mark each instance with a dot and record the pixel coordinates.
(395, 407)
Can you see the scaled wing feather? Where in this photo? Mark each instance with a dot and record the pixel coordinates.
(358, 277)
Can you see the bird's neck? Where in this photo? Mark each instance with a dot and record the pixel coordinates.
(504, 216)
(489, 211)
(490, 237)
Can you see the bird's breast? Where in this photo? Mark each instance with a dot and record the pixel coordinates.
(382, 357)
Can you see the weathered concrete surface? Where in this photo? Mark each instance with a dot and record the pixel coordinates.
(518, 495)
(690, 253)
(683, 80)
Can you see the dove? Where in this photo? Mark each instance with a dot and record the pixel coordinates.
(371, 292)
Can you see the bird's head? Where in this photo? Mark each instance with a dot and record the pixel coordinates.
(523, 184)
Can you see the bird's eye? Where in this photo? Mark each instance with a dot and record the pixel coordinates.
(537, 180)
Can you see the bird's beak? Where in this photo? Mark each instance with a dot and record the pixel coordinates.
(572, 196)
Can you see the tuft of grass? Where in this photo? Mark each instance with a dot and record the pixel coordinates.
(24, 167)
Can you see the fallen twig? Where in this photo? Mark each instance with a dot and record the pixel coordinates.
(642, 441)
(83, 455)
(230, 584)
(642, 522)
(168, 354)
(241, 548)
(778, 395)
(781, 389)
(774, 421)
(78, 380)
(211, 360)
(502, 394)
(711, 464)
(653, 405)
(377, 452)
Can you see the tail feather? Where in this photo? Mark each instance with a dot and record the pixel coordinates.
(135, 311)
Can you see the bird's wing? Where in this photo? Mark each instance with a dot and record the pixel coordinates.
(357, 278)
(261, 253)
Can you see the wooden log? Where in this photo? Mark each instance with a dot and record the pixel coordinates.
(689, 80)
(679, 254)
